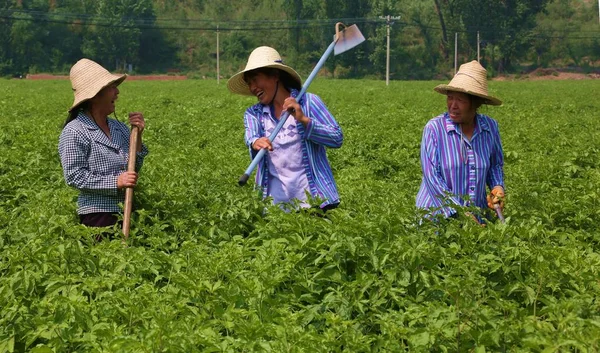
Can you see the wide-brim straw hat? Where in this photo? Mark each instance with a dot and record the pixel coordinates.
(471, 78)
(88, 78)
(261, 57)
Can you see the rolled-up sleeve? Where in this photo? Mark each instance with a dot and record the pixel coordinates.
(253, 130)
(139, 158)
(496, 172)
(322, 128)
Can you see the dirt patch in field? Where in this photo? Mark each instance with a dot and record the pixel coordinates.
(538, 74)
(549, 74)
(129, 78)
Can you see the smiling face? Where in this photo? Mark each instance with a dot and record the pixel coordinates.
(461, 107)
(104, 101)
(262, 84)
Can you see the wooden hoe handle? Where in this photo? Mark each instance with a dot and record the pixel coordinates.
(133, 140)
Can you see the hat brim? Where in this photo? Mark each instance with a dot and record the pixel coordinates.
(237, 85)
(117, 79)
(489, 100)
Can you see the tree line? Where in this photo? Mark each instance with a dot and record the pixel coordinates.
(161, 35)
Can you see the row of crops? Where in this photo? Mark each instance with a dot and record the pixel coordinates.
(209, 267)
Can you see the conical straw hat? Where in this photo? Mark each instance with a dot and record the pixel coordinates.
(88, 78)
(471, 78)
(260, 57)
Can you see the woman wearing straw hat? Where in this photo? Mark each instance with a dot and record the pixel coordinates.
(461, 151)
(296, 162)
(94, 148)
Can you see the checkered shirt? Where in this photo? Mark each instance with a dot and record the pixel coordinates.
(92, 162)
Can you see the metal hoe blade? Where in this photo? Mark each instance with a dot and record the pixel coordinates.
(499, 213)
(347, 39)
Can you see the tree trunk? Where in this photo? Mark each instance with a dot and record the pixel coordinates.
(438, 9)
(298, 5)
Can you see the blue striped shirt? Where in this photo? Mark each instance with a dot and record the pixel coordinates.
(322, 131)
(456, 168)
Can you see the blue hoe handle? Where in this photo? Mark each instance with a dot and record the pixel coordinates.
(244, 178)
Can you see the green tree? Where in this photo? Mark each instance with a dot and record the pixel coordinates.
(377, 38)
(505, 24)
(115, 39)
(439, 12)
(425, 45)
(6, 60)
(28, 33)
(567, 34)
(50, 35)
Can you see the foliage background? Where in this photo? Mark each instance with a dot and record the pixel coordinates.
(205, 270)
(181, 36)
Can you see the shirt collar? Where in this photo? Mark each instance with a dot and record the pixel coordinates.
(87, 121)
(260, 108)
(481, 125)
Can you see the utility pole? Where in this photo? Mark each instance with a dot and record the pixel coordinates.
(388, 19)
(455, 51)
(478, 45)
(387, 56)
(218, 73)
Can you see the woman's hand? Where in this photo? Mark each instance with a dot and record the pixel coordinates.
(137, 119)
(261, 143)
(127, 180)
(496, 197)
(291, 105)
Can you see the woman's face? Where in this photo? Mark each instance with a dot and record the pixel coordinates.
(460, 107)
(262, 86)
(105, 99)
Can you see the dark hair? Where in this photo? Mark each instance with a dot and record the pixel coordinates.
(477, 101)
(75, 111)
(286, 79)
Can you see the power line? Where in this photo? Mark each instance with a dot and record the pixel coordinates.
(81, 15)
(212, 25)
(157, 23)
(71, 18)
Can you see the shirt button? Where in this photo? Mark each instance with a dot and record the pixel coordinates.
(472, 167)
(472, 188)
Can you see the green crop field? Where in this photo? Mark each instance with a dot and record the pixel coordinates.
(207, 270)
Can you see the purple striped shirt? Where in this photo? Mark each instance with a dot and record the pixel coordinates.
(322, 131)
(457, 168)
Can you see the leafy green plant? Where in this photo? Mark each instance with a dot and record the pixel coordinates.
(211, 267)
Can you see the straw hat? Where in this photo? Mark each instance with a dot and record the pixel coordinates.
(471, 78)
(260, 57)
(88, 78)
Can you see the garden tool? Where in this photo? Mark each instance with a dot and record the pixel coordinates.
(499, 212)
(344, 40)
(133, 140)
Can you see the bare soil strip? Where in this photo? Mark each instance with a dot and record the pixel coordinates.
(129, 78)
